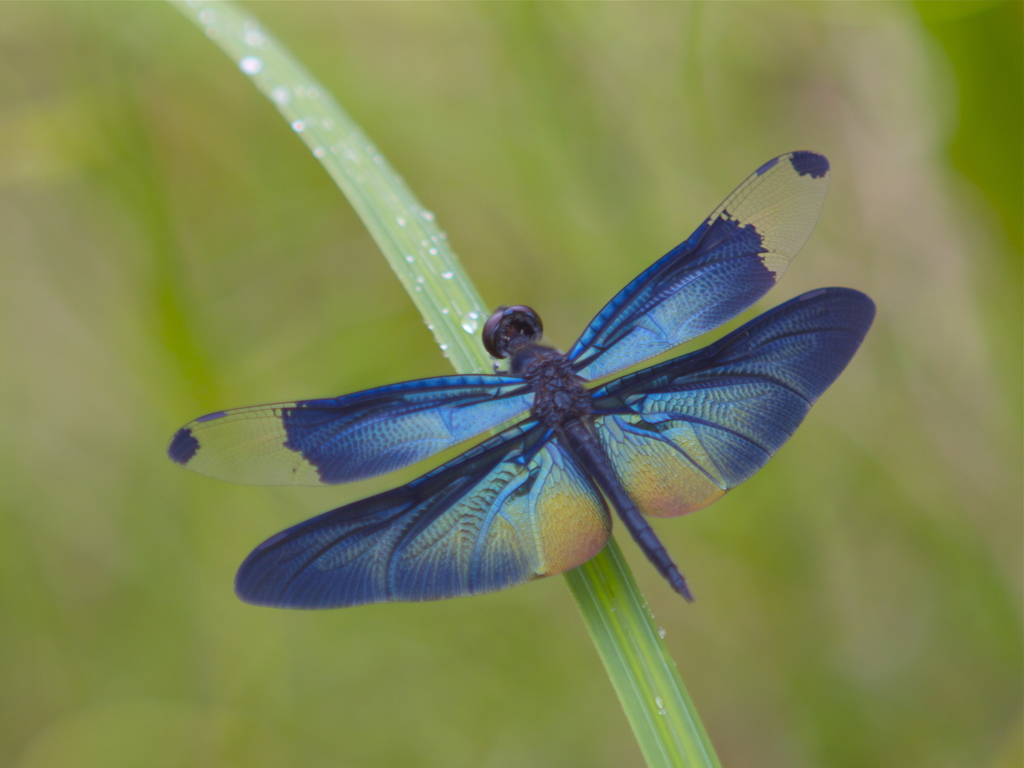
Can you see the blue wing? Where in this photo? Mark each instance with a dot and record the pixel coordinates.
(512, 509)
(730, 262)
(315, 442)
(682, 433)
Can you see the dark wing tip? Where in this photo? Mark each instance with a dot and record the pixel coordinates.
(809, 164)
(183, 446)
(253, 585)
(858, 306)
(273, 575)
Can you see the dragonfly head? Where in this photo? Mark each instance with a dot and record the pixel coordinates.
(510, 329)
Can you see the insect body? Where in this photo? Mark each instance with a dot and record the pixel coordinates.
(562, 404)
(534, 500)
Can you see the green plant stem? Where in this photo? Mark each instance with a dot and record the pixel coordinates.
(643, 674)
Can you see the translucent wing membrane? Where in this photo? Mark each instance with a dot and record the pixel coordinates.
(682, 433)
(732, 260)
(315, 442)
(512, 509)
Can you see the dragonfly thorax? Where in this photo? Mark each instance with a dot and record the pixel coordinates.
(559, 394)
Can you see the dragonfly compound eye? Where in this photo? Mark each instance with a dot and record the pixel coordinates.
(511, 327)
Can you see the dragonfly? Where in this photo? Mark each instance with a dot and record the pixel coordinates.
(534, 500)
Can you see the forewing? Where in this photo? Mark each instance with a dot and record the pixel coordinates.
(730, 262)
(337, 440)
(514, 508)
(682, 433)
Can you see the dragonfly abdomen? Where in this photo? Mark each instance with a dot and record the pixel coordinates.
(581, 441)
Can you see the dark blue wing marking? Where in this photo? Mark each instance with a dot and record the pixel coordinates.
(183, 446)
(682, 433)
(732, 260)
(340, 439)
(810, 164)
(512, 509)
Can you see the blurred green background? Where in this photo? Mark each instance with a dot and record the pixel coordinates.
(168, 248)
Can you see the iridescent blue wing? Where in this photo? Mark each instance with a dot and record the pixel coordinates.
(315, 442)
(730, 262)
(682, 433)
(512, 509)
